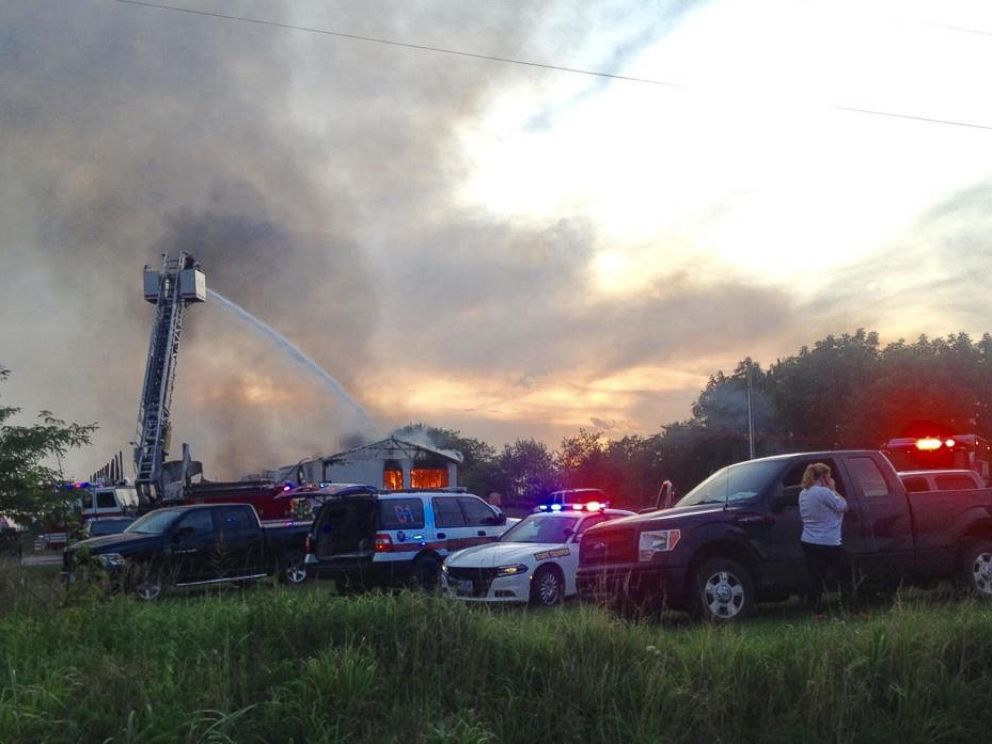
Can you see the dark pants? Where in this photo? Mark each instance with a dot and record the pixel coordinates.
(828, 567)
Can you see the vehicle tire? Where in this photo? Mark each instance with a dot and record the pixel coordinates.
(977, 569)
(293, 569)
(426, 574)
(547, 587)
(723, 591)
(148, 584)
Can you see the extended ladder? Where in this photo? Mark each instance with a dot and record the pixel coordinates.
(179, 283)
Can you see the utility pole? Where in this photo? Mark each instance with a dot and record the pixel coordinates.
(750, 414)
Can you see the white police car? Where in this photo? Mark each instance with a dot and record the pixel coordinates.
(534, 561)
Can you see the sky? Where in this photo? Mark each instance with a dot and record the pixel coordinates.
(510, 250)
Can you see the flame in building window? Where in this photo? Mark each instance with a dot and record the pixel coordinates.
(429, 478)
(392, 479)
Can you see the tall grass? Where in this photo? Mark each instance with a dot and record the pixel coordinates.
(279, 665)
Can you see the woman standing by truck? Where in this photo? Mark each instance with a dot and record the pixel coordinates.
(822, 511)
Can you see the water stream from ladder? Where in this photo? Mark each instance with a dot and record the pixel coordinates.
(294, 352)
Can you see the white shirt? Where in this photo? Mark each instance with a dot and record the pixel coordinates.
(822, 512)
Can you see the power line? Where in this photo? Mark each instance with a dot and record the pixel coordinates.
(526, 63)
(402, 44)
(960, 29)
(911, 117)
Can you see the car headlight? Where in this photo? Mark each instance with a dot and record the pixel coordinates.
(111, 560)
(657, 541)
(511, 570)
(444, 568)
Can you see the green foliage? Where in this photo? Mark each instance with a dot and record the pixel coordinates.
(628, 469)
(845, 391)
(26, 478)
(269, 665)
(524, 471)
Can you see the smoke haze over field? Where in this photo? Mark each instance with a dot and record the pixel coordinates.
(503, 249)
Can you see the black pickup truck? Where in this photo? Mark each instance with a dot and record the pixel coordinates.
(195, 545)
(733, 540)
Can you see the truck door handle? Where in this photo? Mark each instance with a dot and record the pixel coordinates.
(481, 533)
(441, 535)
(762, 519)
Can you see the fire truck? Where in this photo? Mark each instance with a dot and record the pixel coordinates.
(942, 452)
(90, 500)
(158, 482)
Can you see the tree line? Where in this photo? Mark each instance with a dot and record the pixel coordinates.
(844, 391)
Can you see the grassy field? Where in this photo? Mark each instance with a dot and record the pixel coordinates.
(269, 664)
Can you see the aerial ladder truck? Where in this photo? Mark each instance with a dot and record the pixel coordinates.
(177, 285)
(180, 283)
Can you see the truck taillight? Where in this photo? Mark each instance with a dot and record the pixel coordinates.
(383, 543)
(307, 544)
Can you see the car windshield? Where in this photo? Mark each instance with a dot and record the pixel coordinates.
(108, 527)
(154, 523)
(541, 528)
(734, 483)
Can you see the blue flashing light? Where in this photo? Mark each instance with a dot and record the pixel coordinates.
(592, 506)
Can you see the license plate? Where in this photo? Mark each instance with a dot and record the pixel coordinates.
(463, 587)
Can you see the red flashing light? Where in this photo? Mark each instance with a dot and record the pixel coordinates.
(591, 506)
(928, 444)
(949, 443)
(383, 543)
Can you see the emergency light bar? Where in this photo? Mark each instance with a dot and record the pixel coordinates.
(929, 444)
(591, 506)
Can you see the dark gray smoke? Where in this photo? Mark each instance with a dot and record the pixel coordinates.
(312, 177)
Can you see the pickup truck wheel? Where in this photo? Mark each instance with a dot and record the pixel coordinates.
(148, 586)
(547, 588)
(978, 569)
(426, 574)
(293, 569)
(724, 591)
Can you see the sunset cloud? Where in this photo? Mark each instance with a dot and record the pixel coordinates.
(509, 250)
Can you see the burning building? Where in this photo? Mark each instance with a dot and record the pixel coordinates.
(392, 463)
